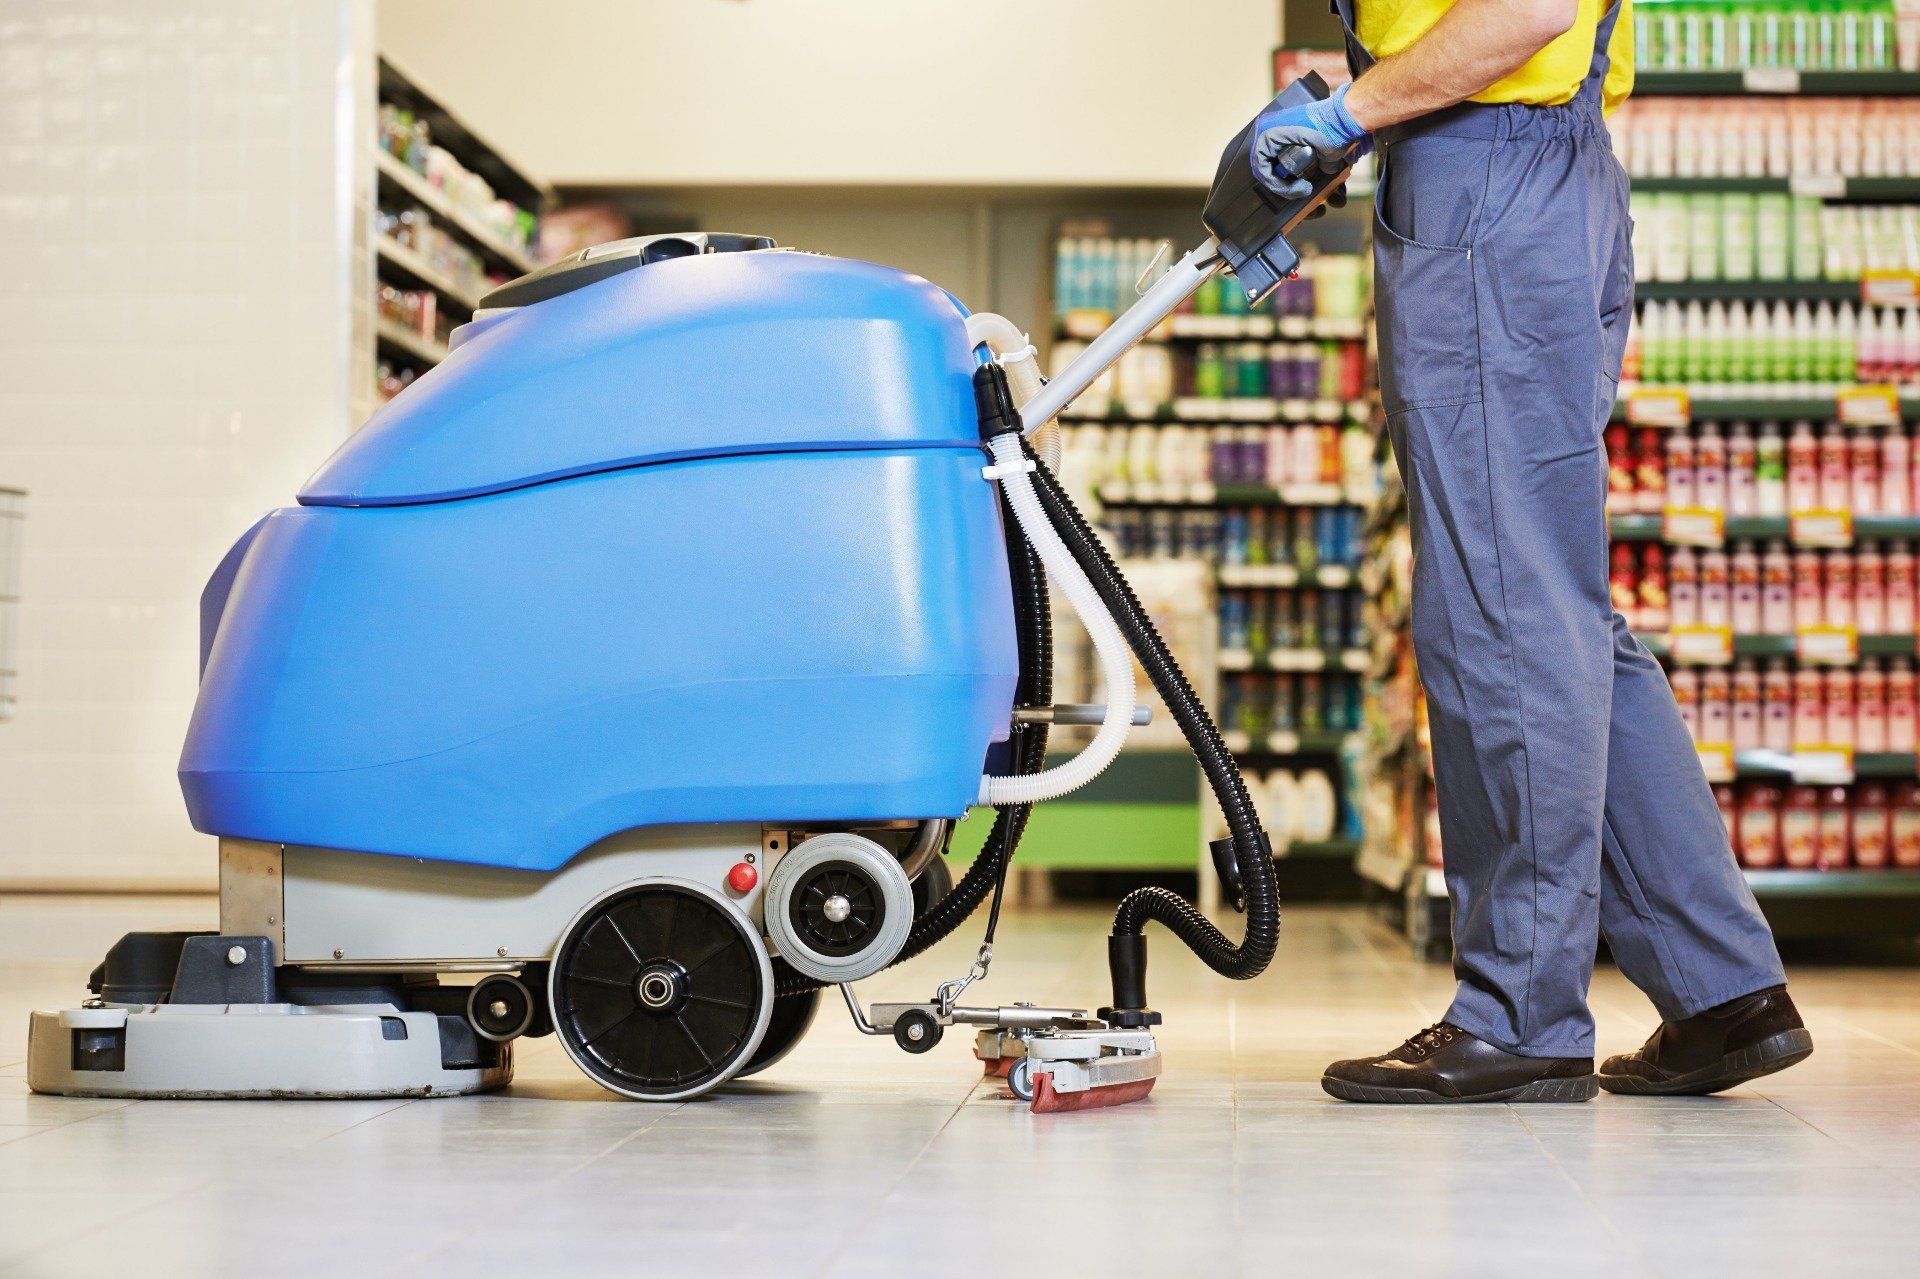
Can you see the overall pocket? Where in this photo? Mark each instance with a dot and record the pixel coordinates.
(1424, 304)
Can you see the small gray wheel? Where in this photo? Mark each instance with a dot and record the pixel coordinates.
(838, 907)
(1020, 1079)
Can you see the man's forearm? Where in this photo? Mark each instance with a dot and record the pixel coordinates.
(1476, 43)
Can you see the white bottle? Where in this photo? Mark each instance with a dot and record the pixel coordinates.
(1896, 483)
(1716, 601)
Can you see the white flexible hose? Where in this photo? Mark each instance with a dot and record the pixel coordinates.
(1013, 352)
(1116, 658)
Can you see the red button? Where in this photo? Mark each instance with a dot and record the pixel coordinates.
(742, 878)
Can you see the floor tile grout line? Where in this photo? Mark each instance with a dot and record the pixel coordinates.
(197, 1186)
(546, 1187)
(880, 1200)
(1593, 1205)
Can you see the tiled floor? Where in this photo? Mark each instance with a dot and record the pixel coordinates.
(852, 1158)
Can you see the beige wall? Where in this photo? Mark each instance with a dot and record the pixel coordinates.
(989, 92)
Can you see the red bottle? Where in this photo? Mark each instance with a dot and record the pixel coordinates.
(1623, 582)
(1759, 827)
(1800, 829)
(1872, 827)
(1836, 829)
(1905, 824)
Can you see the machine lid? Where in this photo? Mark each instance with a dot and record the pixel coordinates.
(596, 262)
(706, 355)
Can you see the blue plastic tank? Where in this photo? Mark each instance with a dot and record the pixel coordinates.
(703, 540)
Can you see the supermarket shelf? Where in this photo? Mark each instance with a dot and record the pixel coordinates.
(454, 217)
(1209, 494)
(1834, 883)
(1329, 576)
(1819, 187)
(1784, 645)
(1786, 409)
(1321, 849)
(1239, 410)
(1293, 659)
(1892, 764)
(1775, 81)
(409, 343)
(1286, 745)
(1748, 290)
(1086, 325)
(456, 135)
(1866, 528)
(420, 270)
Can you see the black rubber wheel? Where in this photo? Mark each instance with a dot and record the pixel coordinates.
(501, 1007)
(792, 1015)
(837, 909)
(935, 882)
(660, 991)
(916, 1031)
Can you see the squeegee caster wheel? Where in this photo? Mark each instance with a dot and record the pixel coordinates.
(916, 1031)
(661, 990)
(1020, 1079)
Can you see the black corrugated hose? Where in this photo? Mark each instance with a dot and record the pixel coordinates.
(1250, 846)
(1033, 632)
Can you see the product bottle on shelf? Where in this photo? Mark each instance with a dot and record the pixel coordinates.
(1905, 835)
(1800, 828)
(1776, 590)
(1744, 567)
(1809, 597)
(1683, 587)
(1836, 470)
(1759, 827)
(1870, 590)
(1650, 472)
(1901, 712)
(1895, 479)
(1836, 828)
(1840, 707)
(1681, 493)
(1900, 589)
(1870, 708)
(1742, 472)
(1838, 597)
(1776, 707)
(1747, 734)
(1872, 833)
(1655, 613)
(1716, 705)
(1770, 473)
(1803, 469)
(1809, 708)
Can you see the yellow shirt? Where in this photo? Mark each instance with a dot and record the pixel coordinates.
(1550, 77)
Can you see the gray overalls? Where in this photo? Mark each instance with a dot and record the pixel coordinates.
(1571, 800)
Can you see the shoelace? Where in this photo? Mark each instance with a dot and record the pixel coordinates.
(1436, 1036)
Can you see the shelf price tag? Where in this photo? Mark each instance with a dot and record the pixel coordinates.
(1770, 80)
(1691, 526)
(1821, 528)
(1823, 765)
(1827, 645)
(1716, 760)
(1869, 405)
(1283, 743)
(1701, 645)
(1659, 406)
(1818, 186)
(1890, 288)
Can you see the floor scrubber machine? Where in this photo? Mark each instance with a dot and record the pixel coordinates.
(623, 680)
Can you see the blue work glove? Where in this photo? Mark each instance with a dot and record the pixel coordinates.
(1324, 126)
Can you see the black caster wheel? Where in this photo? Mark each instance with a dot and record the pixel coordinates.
(792, 1015)
(1020, 1079)
(500, 1007)
(917, 1031)
(935, 882)
(661, 990)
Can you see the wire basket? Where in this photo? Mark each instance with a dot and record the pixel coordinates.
(13, 521)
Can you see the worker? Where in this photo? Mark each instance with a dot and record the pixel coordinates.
(1572, 803)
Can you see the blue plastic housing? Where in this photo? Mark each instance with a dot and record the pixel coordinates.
(771, 587)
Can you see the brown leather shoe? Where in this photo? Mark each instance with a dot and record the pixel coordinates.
(1443, 1063)
(1728, 1044)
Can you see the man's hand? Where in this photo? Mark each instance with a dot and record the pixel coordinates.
(1325, 127)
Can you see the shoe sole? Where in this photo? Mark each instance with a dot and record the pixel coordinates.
(1788, 1048)
(1573, 1088)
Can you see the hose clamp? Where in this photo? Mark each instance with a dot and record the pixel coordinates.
(1001, 470)
(1027, 352)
